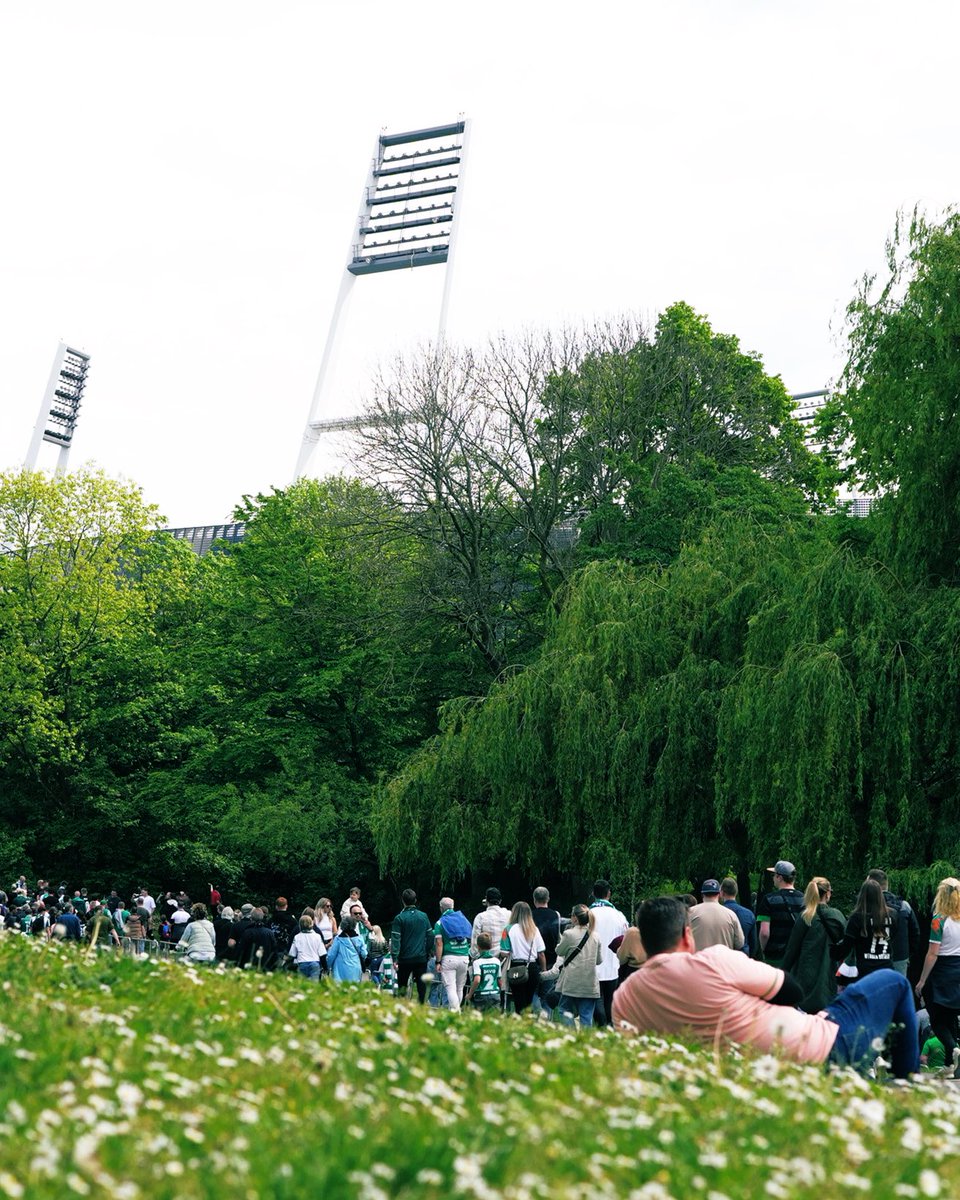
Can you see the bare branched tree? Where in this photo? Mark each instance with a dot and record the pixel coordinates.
(477, 449)
(494, 458)
(422, 444)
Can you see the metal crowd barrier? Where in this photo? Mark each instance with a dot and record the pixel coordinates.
(149, 946)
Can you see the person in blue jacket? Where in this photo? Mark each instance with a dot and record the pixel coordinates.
(748, 922)
(346, 954)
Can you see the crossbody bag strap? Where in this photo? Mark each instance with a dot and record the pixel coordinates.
(570, 957)
(830, 938)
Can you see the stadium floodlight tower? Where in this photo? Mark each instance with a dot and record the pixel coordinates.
(60, 406)
(408, 218)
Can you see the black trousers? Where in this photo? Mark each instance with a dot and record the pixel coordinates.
(416, 967)
(605, 1010)
(523, 993)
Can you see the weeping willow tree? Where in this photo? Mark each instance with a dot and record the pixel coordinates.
(815, 750)
(897, 408)
(775, 690)
(768, 694)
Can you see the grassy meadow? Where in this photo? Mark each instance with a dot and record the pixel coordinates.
(130, 1079)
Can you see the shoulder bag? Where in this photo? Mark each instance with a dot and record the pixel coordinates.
(519, 973)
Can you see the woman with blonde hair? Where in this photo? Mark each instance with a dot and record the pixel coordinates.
(818, 929)
(940, 978)
(524, 943)
(325, 920)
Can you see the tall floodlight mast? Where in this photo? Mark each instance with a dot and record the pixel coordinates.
(60, 406)
(408, 218)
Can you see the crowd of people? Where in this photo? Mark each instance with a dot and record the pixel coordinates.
(795, 975)
(266, 938)
(788, 971)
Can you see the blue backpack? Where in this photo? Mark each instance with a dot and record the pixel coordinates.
(456, 926)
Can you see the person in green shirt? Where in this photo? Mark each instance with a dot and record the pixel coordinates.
(410, 945)
(388, 982)
(452, 948)
(484, 991)
(932, 1056)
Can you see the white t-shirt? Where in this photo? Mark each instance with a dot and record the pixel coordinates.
(946, 931)
(180, 917)
(307, 947)
(148, 902)
(609, 923)
(522, 950)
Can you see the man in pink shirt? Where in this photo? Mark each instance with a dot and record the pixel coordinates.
(720, 993)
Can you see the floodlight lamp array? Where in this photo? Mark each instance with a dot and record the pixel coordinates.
(67, 397)
(409, 205)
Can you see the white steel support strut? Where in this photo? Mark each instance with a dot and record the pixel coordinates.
(409, 217)
(451, 250)
(310, 434)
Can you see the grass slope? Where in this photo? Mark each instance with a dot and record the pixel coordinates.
(146, 1079)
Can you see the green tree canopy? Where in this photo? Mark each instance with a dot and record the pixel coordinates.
(764, 694)
(515, 465)
(82, 579)
(305, 672)
(899, 406)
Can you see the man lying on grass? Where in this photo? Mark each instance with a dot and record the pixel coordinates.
(720, 994)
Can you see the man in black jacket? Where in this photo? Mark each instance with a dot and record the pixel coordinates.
(905, 935)
(258, 944)
(410, 943)
(284, 925)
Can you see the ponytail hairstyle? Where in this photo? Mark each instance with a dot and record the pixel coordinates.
(583, 916)
(816, 893)
(946, 903)
(874, 914)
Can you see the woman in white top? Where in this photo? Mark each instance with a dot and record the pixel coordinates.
(940, 978)
(199, 941)
(325, 924)
(325, 921)
(307, 949)
(524, 944)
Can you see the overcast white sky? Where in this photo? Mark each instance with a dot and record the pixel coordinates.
(180, 183)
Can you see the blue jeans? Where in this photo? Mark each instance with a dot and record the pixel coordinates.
(309, 970)
(578, 1006)
(438, 993)
(864, 1012)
